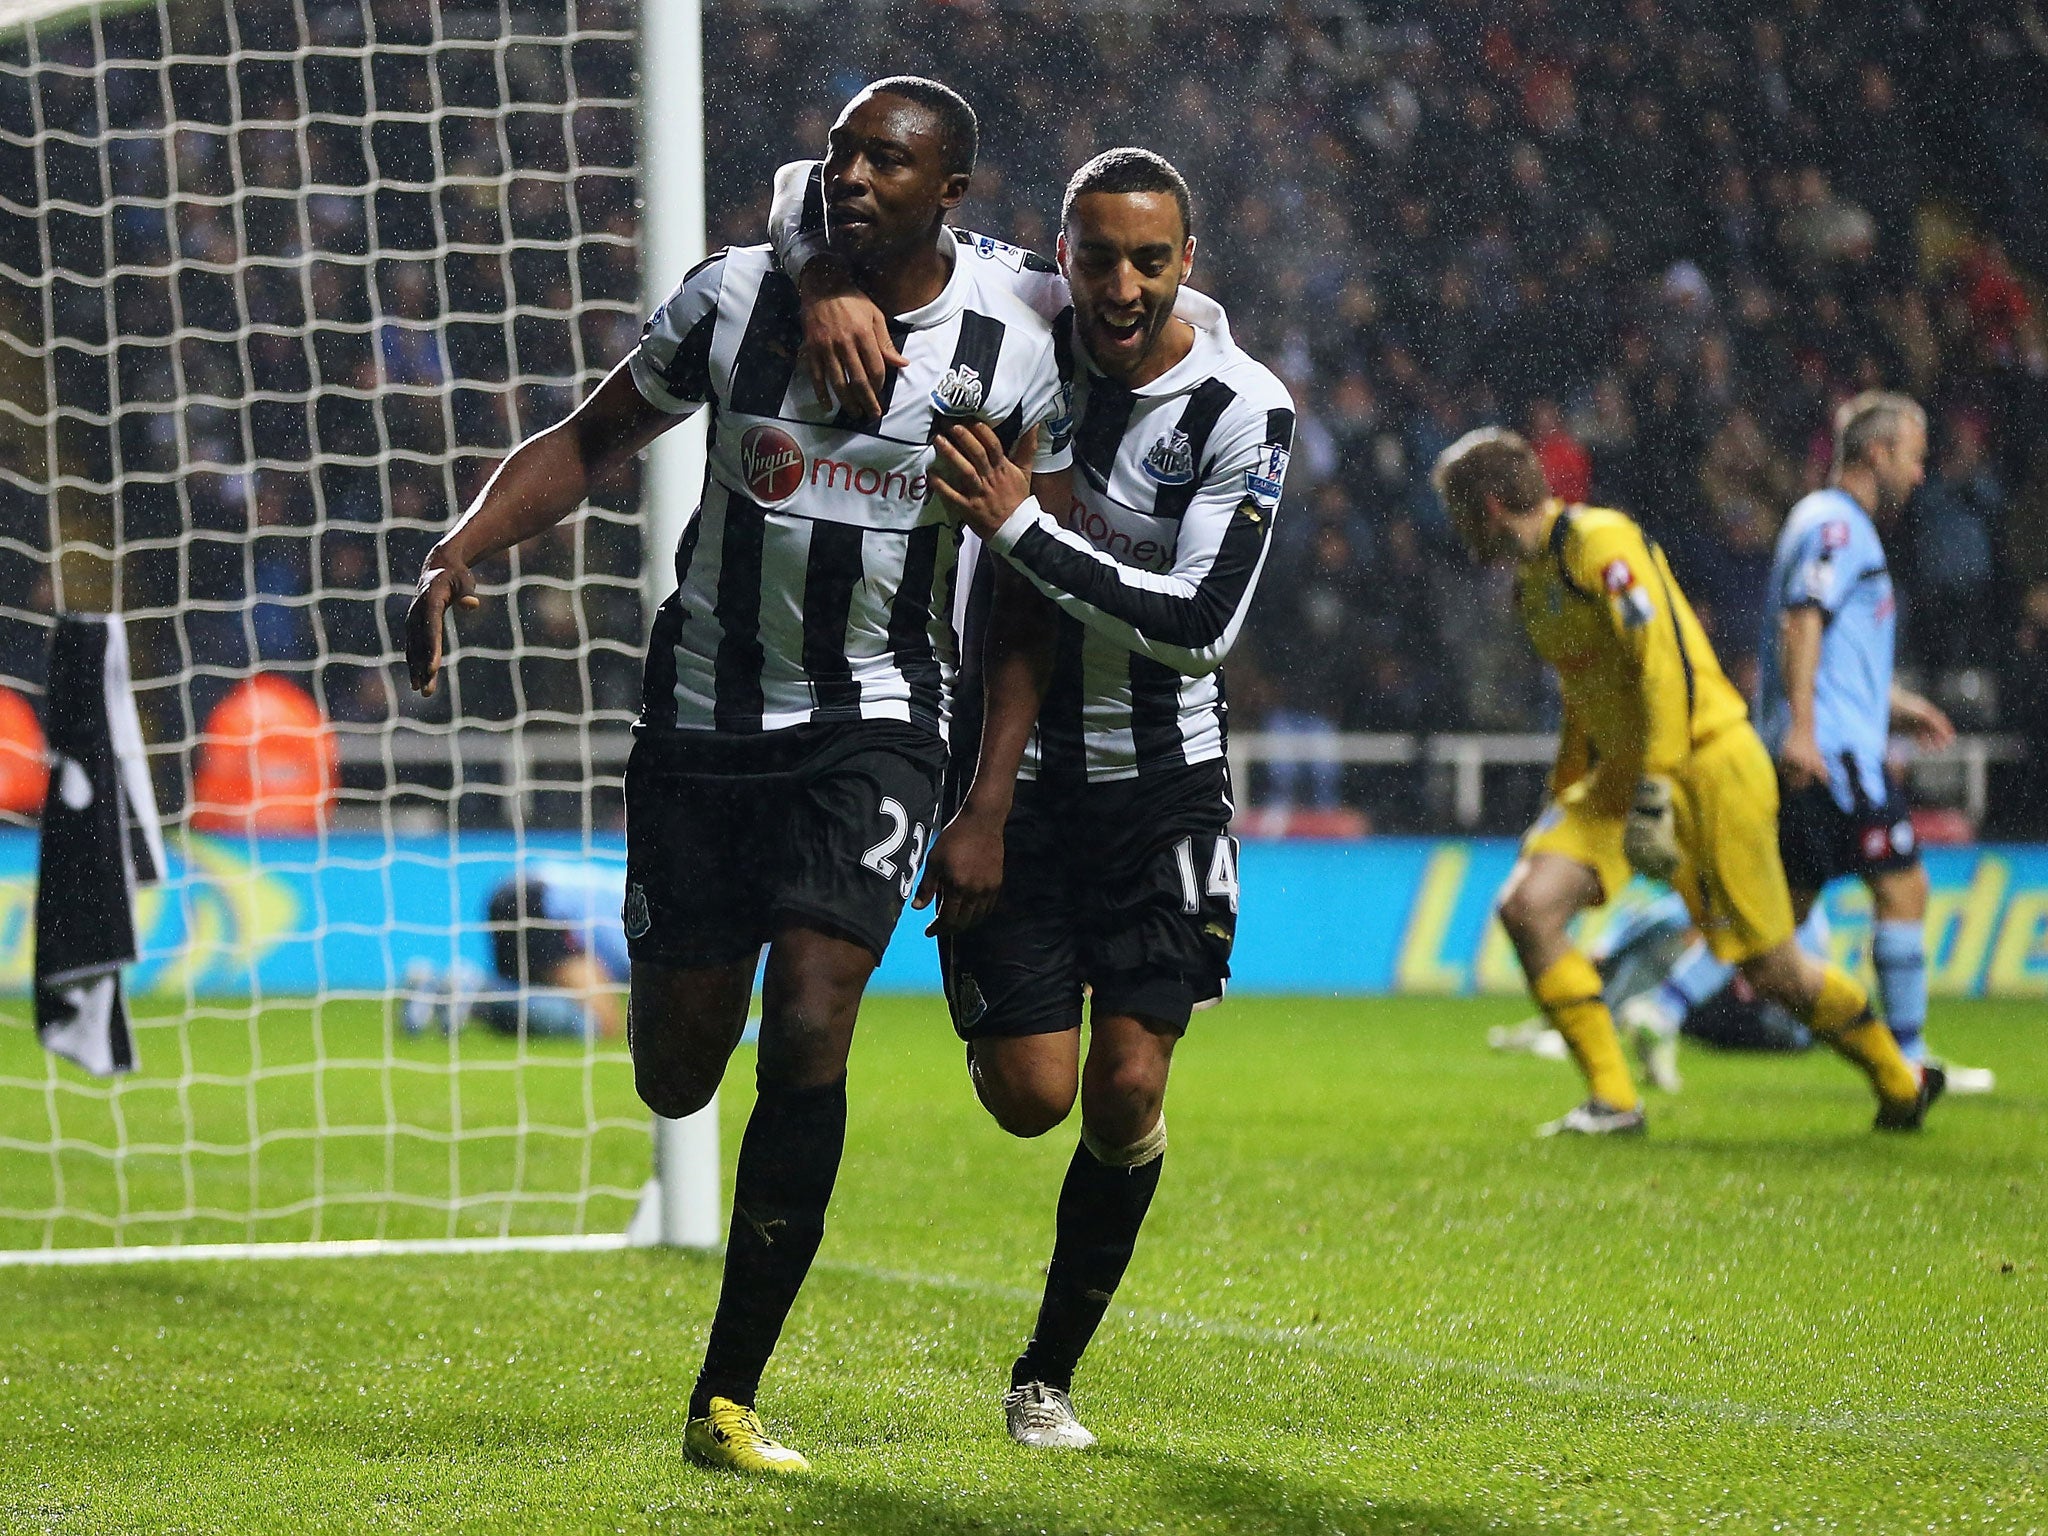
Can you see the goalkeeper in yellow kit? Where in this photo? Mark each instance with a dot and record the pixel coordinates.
(1657, 769)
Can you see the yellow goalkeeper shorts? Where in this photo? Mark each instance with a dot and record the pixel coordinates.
(1725, 800)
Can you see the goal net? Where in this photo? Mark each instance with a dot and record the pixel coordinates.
(282, 282)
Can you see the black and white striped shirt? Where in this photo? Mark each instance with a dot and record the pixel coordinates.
(815, 582)
(1176, 484)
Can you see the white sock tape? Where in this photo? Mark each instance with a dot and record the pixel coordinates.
(1140, 1152)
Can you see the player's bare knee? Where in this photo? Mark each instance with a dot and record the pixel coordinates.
(1901, 895)
(1126, 1144)
(1121, 1105)
(805, 1038)
(1031, 1113)
(1786, 975)
(675, 1088)
(1024, 1104)
(674, 1100)
(1527, 917)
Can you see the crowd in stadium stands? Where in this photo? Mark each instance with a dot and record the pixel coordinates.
(1663, 240)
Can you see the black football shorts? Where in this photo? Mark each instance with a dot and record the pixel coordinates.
(1819, 841)
(1125, 887)
(731, 838)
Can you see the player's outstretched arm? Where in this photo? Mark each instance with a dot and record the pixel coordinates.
(847, 350)
(543, 480)
(1187, 617)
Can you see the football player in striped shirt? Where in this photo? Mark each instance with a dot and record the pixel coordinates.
(790, 748)
(1113, 874)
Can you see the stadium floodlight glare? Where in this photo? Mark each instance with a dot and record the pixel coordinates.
(278, 286)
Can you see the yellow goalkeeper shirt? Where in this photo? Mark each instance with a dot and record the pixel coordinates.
(1641, 686)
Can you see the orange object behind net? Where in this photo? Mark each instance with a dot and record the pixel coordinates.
(268, 762)
(24, 756)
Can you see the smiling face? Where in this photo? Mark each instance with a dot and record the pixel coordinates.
(1125, 255)
(886, 186)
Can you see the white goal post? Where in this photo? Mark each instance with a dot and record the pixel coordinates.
(278, 284)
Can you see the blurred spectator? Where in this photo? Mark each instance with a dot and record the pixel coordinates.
(1567, 466)
(2024, 699)
(1745, 479)
(1314, 643)
(1823, 229)
(1956, 515)
(1999, 308)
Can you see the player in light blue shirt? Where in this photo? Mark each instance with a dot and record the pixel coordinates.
(558, 958)
(1830, 566)
(1827, 706)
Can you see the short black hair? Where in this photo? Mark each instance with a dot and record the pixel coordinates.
(959, 128)
(526, 948)
(1130, 170)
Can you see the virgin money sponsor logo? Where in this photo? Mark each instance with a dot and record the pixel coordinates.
(867, 480)
(772, 465)
(1146, 554)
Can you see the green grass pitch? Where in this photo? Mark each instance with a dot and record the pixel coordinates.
(1367, 1301)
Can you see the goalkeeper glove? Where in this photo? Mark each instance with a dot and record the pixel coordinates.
(1650, 838)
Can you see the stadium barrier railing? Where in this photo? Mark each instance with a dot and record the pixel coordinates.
(539, 755)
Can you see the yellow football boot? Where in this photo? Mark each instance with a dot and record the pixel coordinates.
(731, 1436)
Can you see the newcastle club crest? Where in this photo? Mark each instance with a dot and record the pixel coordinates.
(1171, 460)
(958, 392)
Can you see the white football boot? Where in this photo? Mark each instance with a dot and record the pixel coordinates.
(1970, 1079)
(425, 994)
(1594, 1118)
(1650, 1028)
(1533, 1036)
(1043, 1417)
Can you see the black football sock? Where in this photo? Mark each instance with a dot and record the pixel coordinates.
(1101, 1208)
(789, 1158)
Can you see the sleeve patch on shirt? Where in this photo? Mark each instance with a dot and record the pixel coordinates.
(1834, 535)
(1810, 584)
(997, 250)
(1620, 581)
(1266, 475)
(1059, 426)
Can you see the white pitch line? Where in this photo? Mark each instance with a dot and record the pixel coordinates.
(1553, 1383)
(336, 1248)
